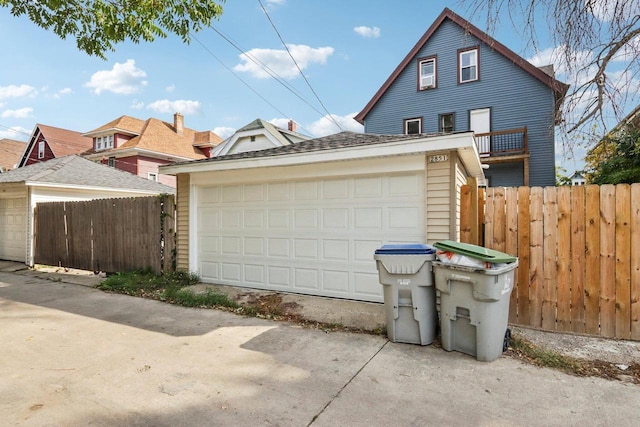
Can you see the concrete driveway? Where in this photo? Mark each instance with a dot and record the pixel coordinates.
(75, 356)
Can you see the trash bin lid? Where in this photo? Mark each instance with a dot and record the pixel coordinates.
(406, 249)
(474, 251)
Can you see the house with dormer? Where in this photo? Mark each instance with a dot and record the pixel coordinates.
(259, 135)
(141, 146)
(458, 78)
(49, 142)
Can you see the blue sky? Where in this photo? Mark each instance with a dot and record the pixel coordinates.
(346, 50)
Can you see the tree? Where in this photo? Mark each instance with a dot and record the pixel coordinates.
(617, 161)
(561, 177)
(98, 25)
(597, 44)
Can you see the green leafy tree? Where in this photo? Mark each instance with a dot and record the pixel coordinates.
(98, 25)
(619, 163)
(561, 177)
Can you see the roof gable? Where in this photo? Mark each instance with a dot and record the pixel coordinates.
(123, 124)
(61, 142)
(558, 87)
(277, 136)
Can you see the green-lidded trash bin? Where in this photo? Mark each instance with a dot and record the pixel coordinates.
(475, 285)
(406, 273)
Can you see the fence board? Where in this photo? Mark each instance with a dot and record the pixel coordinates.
(550, 285)
(592, 259)
(607, 260)
(499, 225)
(577, 259)
(511, 243)
(536, 271)
(523, 255)
(49, 234)
(635, 262)
(466, 221)
(489, 217)
(564, 259)
(623, 261)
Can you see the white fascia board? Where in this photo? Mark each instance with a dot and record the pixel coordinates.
(117, 153)
(109, 131)
(463, 143)
(87, 187)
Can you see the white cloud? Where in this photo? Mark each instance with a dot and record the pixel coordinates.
(558, 57)
(608, 10)
(326, 126)
(137, 105)
(224, 132)
(16, 133)
(13, 91)
(276, 2)
(20, 113)
(281, 123)
(180, 106)
(280, 62)
(59, 94)
(170, 88)
(123, 78)
(369, 32)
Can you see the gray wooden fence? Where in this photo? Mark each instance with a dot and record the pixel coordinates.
(111, 235)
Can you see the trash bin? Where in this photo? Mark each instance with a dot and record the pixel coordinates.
(409, 295)
(475, 285)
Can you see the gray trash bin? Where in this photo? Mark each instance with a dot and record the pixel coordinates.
(409, 294)
(474, 300)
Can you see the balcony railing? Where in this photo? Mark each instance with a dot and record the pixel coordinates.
(502, 143)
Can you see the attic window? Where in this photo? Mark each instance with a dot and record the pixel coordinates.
(41, 149)
(253, 138)
(468, 65)
(427, 73)
(104, 142)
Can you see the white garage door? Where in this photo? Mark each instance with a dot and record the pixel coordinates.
(13, 228)
(313, 237)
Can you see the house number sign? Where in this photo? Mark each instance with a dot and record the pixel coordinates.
(438, 158)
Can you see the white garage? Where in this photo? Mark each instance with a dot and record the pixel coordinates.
(308, 218)
(13, 224)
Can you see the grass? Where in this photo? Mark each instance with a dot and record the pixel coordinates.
(541, 356)
(167, 287)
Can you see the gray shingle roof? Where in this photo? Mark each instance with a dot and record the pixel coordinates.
(78, 171)
(344, 139)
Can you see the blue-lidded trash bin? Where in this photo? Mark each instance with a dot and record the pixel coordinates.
(409, 293)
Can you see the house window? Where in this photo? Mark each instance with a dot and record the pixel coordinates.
(427, 73)
(253, 138)
(152, 176)
(41, 150)
(413, 126)
(446, 123)
(468, 65)
(111, 162)
(104, 142)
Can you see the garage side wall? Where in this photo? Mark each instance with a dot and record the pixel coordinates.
(439, 181)
(182, 230)
(461, 177)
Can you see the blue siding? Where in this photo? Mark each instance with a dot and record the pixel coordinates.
(516, 99)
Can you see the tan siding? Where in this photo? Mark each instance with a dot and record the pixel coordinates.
(182, 229)
(438, 201)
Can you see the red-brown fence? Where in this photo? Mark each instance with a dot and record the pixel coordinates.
(111, 235)
(578, 249)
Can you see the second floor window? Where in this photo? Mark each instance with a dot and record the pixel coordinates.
(111, 162)
(446, 124)
(427, 73)
(468, 65)
(104, 142)
(413, 126)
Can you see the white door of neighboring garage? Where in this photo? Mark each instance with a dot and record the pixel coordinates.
(314, 237)
(13, 228)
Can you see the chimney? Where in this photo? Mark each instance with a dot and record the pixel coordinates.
(292, 126)
(178, 123)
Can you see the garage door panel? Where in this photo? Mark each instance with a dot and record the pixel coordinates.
(13, 229)
(313, 237)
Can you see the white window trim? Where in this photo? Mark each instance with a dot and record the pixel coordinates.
(104, 142)
(153, 176)
(473, 64)
(422, 85)
(407, 121)
(41, 149)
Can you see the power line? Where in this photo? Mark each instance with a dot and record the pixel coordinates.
(298, 67)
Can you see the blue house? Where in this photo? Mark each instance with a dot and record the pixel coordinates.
(458, 78)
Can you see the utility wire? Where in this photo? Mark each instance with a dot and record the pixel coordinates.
(298, 67)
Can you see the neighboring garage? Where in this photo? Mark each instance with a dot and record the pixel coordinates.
(69, 178)
(307, 218)
(13, 224)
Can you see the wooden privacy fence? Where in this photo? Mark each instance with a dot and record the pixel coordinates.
(578, 249)
(111, 235)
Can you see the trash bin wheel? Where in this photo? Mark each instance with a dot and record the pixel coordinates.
(507, 340)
